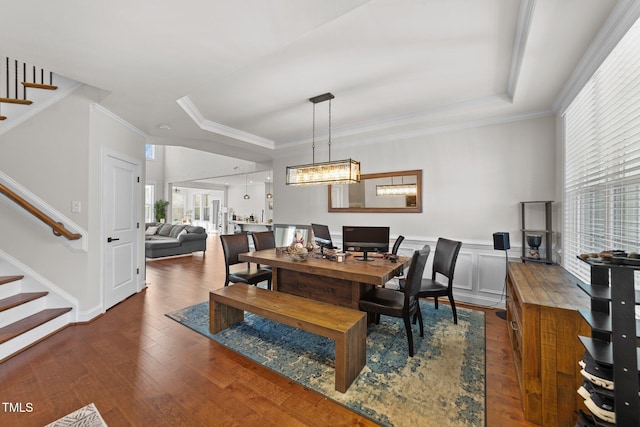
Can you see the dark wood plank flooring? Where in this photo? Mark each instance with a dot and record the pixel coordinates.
(141, 368)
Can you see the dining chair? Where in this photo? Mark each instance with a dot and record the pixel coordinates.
(232, 246)
(394, 251)
(393, 283)
(397, 244)
(263, 240)
(444, 263)
(389, 302)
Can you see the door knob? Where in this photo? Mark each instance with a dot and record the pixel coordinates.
(111, 239)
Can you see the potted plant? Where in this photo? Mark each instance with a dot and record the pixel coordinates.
(160, 208)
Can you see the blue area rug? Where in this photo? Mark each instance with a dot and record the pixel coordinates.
(442, 385)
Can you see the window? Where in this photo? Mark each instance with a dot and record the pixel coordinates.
(602, 159)
(196, 207)
(206, 208)
(177, 206)
(150, 151)
(149, 196)
(201, 207)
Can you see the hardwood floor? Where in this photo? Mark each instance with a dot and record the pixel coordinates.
(141, 368)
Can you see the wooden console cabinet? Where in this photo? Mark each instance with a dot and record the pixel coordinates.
(543, 321)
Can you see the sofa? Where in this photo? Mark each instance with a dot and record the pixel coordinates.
(163, 240)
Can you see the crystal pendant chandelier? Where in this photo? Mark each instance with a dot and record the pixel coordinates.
(332, 172)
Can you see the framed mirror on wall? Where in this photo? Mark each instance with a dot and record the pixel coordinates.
(388, 192)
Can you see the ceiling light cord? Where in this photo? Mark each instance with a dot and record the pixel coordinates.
(313, 137)
(246, 187)
(329, 130)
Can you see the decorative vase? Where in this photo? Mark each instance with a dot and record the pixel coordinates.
(534, 241)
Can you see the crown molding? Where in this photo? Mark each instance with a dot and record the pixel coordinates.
(622, 17)
(119, 119)
(523, 27)
(210, 126)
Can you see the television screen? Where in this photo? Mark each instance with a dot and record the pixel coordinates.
(322, 236)
(365, 239)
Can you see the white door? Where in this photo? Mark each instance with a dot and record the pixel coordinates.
(121, 202)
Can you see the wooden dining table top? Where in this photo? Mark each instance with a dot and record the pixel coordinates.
(375, 272)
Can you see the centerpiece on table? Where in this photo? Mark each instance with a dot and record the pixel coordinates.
(299, 251)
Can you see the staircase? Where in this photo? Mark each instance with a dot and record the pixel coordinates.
(12, 74)
(26, 89)
(31, 308)
(26, 317)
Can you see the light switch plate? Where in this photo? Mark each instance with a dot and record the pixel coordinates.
(76, 206)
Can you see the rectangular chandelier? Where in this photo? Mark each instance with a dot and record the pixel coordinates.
(335, 172)
(332, 172)
(397, 190)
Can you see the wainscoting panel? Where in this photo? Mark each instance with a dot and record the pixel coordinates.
(463, 276)
(480, 270)
(491, 272)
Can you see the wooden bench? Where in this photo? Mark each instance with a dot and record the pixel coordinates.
(346, 326)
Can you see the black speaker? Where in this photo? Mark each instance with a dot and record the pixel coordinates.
(501, 241)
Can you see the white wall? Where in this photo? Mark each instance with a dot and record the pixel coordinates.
(155, 173)
(473, 180)
(48, 152)
(182, 165)
(186, 164)
(57, 155)
(109, 134)
(255, 205)
(49, 155)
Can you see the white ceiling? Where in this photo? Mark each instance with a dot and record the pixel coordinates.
(234, 77)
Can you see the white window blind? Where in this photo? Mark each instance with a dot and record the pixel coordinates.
(602, 159)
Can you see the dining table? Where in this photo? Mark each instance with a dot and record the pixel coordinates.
(323, 279)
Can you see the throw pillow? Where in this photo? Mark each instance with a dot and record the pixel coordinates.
(181, 233)
(175, 231)
(165, 230)
(151, 231)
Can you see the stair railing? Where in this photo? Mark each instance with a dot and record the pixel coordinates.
(57, 227)
(12, 77)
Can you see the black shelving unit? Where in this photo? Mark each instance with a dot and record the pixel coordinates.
(546, 233)
(615, 332)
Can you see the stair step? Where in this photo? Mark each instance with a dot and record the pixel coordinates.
(15, 300)
(16, 101)
(9, 279)
(39, 86)
(31, 322)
